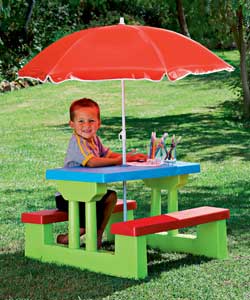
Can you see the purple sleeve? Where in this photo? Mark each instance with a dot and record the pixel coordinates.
(102, 149)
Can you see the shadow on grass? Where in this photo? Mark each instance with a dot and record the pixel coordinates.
(161, 262)
(31, 279)
(216, 134)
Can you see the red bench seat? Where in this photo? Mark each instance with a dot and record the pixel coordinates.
(170, 221)
(55, 215)
(131, 205)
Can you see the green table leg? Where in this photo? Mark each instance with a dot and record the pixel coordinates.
(74, 232)
(173, 205)
(88, 192)
(155, 202)
(171, 184)
(91, 232)
(172, 200)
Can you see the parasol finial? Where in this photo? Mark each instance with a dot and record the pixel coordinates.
(122, 21)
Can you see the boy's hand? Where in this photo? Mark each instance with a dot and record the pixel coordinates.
(137, 157)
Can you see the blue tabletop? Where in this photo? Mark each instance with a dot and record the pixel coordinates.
(121, 173)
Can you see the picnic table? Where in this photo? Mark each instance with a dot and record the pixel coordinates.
(129, 258)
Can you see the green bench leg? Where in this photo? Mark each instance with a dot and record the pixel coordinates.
(132, 254)
(117, 217)
(36, 236)
(212, 239)
(128, 261)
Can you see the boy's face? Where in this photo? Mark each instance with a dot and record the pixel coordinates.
(86, 122)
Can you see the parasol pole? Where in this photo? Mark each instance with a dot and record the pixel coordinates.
(124, 150)
(123, 134)
(123, 124)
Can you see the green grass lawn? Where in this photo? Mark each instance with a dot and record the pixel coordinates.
(201, 109)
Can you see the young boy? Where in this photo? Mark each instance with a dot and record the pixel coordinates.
(86, 149)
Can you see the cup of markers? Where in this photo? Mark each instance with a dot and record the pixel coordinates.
(159, 151)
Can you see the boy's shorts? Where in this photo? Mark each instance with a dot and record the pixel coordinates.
(62, 204)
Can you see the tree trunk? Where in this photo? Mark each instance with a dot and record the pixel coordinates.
(243, 65)
(28, 17)
(245, 85)
(182, 18)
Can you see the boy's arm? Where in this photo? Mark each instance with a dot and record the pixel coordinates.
(114, 159)
(130, 156)
(104, 161)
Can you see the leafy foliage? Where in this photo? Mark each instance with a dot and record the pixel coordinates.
(13, 44)
(231, 18)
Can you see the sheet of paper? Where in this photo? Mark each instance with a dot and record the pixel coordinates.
(145, 163)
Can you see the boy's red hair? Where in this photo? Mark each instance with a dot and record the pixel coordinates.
(84, 102)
